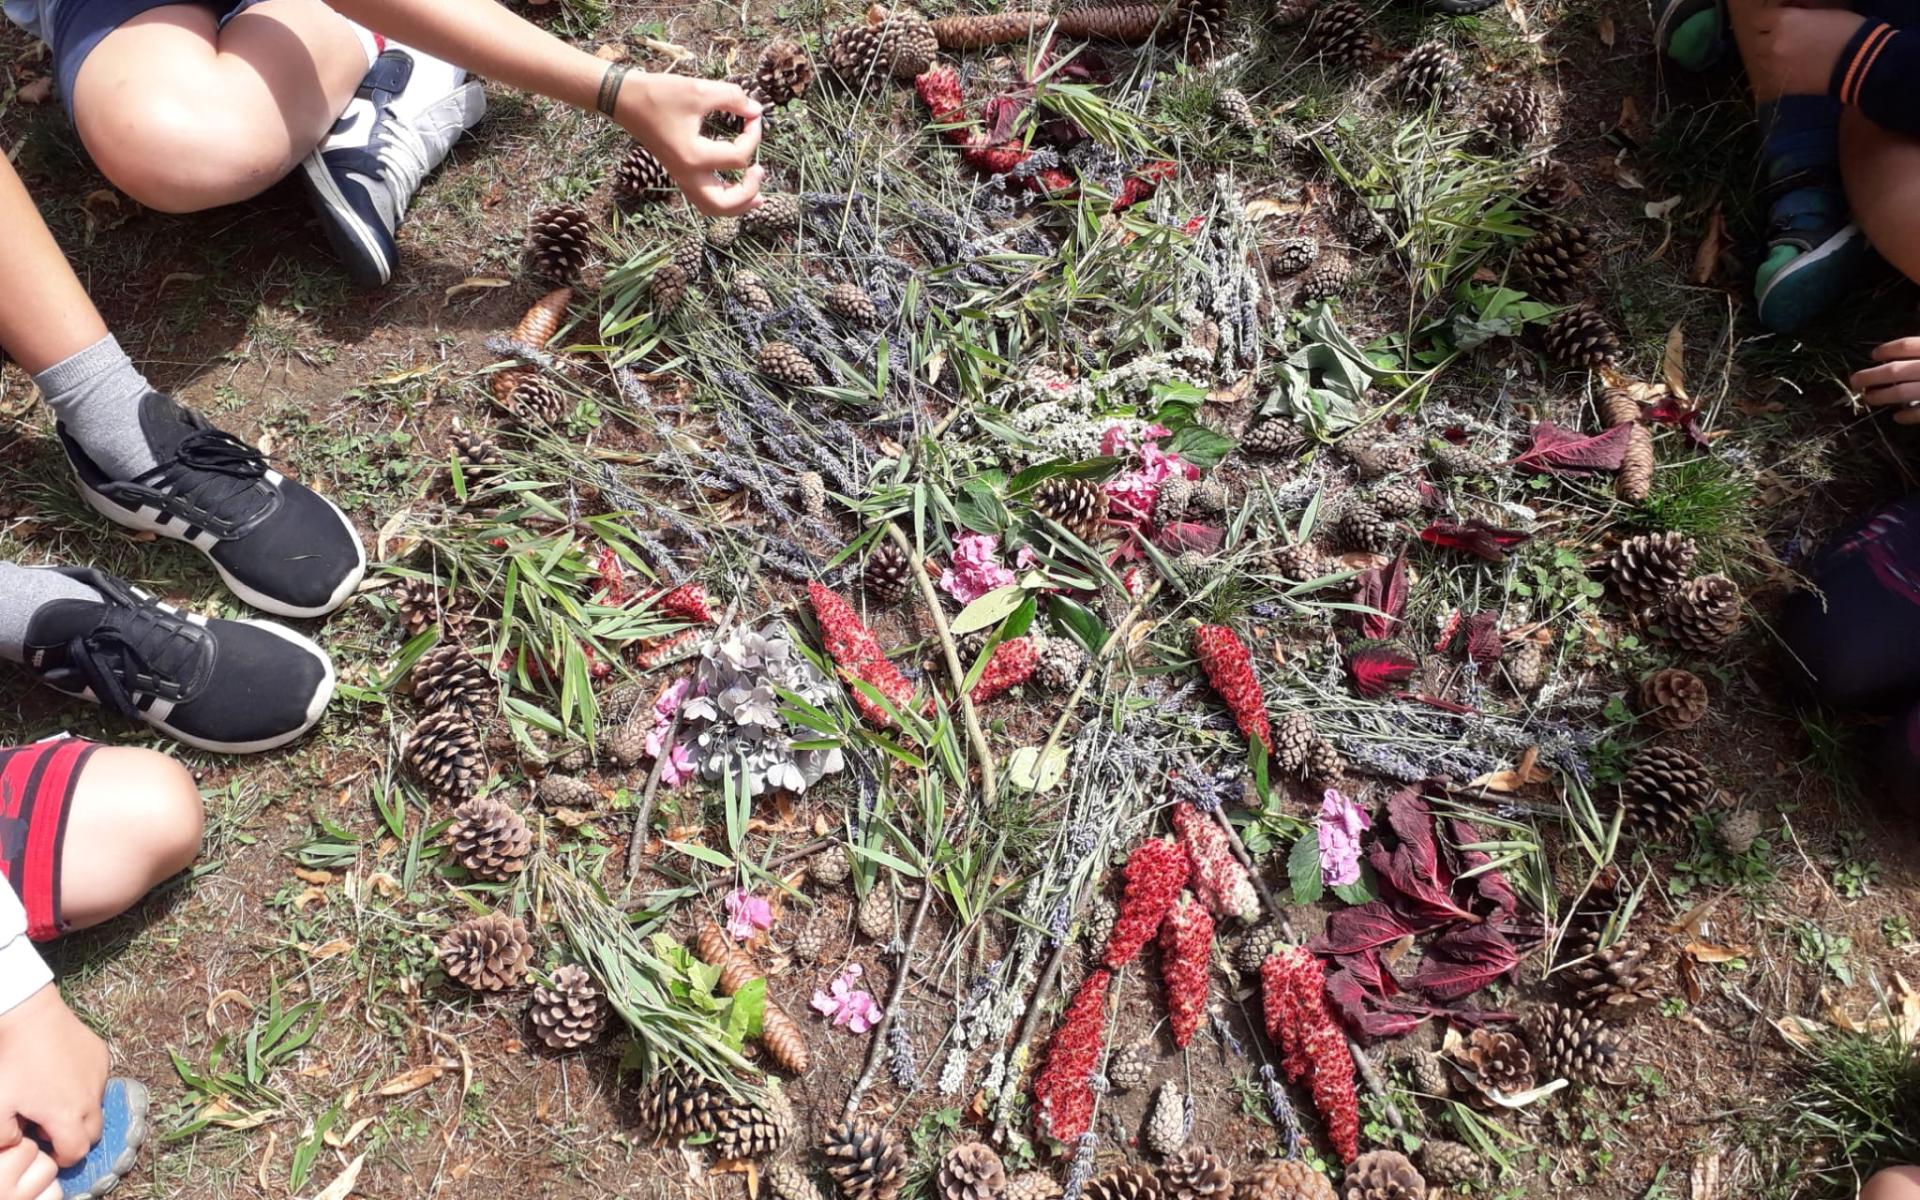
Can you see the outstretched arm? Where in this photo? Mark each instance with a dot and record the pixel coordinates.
(663, 112)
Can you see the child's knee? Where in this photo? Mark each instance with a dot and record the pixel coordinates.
(1893, 1183)
(177, 155)
(158, 806)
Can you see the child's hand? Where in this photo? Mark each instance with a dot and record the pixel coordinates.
(1896, 382)
(26, 1173)
(53, 1071)
(664, 113)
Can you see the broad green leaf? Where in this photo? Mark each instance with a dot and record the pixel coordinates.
(1082, 625)
(1029, 771)
(989, 610)
(1303, 869)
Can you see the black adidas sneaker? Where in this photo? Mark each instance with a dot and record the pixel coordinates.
(280, 546)
(233, 687)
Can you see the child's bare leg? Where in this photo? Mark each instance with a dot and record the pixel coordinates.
(134, 822)
(1893, 1183)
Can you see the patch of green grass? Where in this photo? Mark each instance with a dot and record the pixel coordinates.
(1857, 1108)
(1711, 501)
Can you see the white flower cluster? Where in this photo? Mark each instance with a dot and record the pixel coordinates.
(734, 720)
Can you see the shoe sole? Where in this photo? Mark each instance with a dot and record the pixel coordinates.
(113, 511)
(138, 1101)
(1850, 240)
(352, 239)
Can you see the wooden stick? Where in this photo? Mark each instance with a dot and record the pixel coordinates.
(876, 1045)
(982, 753)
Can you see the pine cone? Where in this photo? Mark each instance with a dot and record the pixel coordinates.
(488, 954)
(1581, 337)
(1450, 1164)
(640, 177)
(1364, 527)
(449, 677)
(1297, 562)
(777, 213)
(888, 575)
(1704, 613)
(1340, 34)
(668, 289)
(1499, 1061)
(1286, 1179)
(1213, 496)
(1526, 666)
(1617, 980)
(1398, 500)
(875, 914)
(783, 362)
(851, 304)
(1376, 460)
(1294, 736)
(1171, 502)
(1634, 482)
(690, 255)
(1061, 664)
(489, 839)
(1663, 789)
(865, 1161)
(1130, 1069)
(1096, 924)
(1290, 256)
(831, 866)
(784, 74)
(1325, 767)
(1195, 1173)
(1516, 116)
(1550, 188)
(571, 1012)
(1032, 1185)
(1255, 945)
(557, 791)
(560, 239)
(810, 943)
(418, 603)
(1738, 831)
(673, 1111)
(479, 458)
(1124, 1183)
(1201, 26)
(625, 742)
(534, 402)
(1077, 504)
(900, 44)
(1573, 1045)
(1273, 437)
(1326, 279)
(1237, 109)
(1385, 1175)
(1430, 73)
(1673, 699)
(1291, 12)
(444, 753)
(1648, 568)
(753, 1129)
(751, 292)
(1557, 262)
(722, 232)
(788, 1180)
(811, 491)
(1459, 461)
(972, 1171)
(1168, 1120)
(1427, 1072)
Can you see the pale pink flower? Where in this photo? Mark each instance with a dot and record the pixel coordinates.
(845, 1005)
(1341, 823)
(747, 914)
(975, 569)
(1026, 559)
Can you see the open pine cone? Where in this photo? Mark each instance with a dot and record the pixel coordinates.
(560, 239)
(1573, 1045)
(1077, 504)
(571, 1012)
(1124, 1183)
(1195, 1173)
(745, 1129)
(1557, 262)
(1550, 188)
(900, 44)
(1663, 789)
(1285, 1179)
(489, 839)
(972, 1171)
(1499, 1060)
(1704, 613)
(1384, 1175)
(784, 73)
(479, 457)
(640, 177)
(1674, 699)
(444, 753)
(488, 954)
(450, 677)
(1617, 980)
(1581, 337)
(1342, 34)
(865, 1161)
(1430, 73)
(1648, 568)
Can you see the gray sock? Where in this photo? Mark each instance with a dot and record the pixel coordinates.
(96, 397)
(22, 591)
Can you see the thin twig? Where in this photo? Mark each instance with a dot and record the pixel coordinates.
(643, 816)
(976, 736)
(876, 1042)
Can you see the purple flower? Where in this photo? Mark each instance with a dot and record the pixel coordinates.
(847, 1006)
(1341, 822)
(747, 915)
(975, 569)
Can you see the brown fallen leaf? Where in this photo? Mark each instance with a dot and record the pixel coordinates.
(332, 949)
(474, 283)
(341, 1140)
(1606, 30)
(1629, 121)
(408, 1082)
(316, 878)
(1528, 771)
(1705, 1176)
(1673, 366)
(612, 52)
(230, 996)
(1707, 952)
(344, 1183)
(1706, 257)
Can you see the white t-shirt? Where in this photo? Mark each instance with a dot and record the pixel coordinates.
(35, 16)
(22, 973)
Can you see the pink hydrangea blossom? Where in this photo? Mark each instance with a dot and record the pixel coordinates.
(679, 766)
(1026, 559)
(1133, 492)
(1341, 823)
(975, 569)
(846, 1005)
(747, 914)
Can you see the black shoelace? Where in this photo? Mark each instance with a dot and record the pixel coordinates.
(134, 649)
(219, 467)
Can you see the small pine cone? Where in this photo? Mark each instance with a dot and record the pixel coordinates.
(1291, 12)
(1032, 1185)
(1399, 500)
(622, 702)
(1364, 527)
(557, 791)
(1450, 1164)
(1170, 504)
(445, 754)
(488, 954)
(1377, 460)
(625, 742)
(875, 913)
(753, 1129)
(641, 178)
(1384, 1175)
(1326, 279)
(560, 239)
(1325, 766)
(1673, 699)
(1526, 666)
(690, 255)
(865, 1161)
(418, 603)
(534, 402)
(668, 289)
(1663, 789)
(851, 304)
(1130, 1069)
(1238, 110)
(1558, 262)
(1581, 337)
(1255, 945)
(1550, 188)
(1298, 562)
(831, 866)
(672, 1111)
(811, 491)
(788, 1180)
(1168, 1120)
(571, 1012)
(751, 292)
(1616, 980)
(900, 44)
(1704, 613)
(489, 839)
(1573, 1045)
(810, 943)
(1124, 1183)
(1648, 568)
(1738, 831)
(971, 1171)
(784, 74)
(1634, 483)
(1293, 741)
(1499, 1060)
(1290, 256)
(777, 213)
(1461, 462)
(783, 362)
(722, 232)
(1096, 924)
(1427, 1072)
(1195, 1173)
(1429, 74)
(478, 456)
(449, 676)
(1273, 438)
(1077, 504)
(1213, 496)
(1516, 116)
(1341, 34)
(1286, 1179)
(888, 574)
(1061, 664)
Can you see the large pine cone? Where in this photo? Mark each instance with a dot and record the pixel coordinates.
(1200, 26)
(1550, 188)
(850, 303)
(972, 1171)
(445, 754)
(1384, 1175)
(1032, 1185)
(570, 1013)
(1292, 255)
(1663, 789)
(489, 839)
(753, 1128)
(450, 677)
(865, 1161)
(1557, 262)
(1450, 1164)
(777, 213)
(560, 239)
(488, 954)
(900, 44)
(1499, 1060)
(1124, 1183)
(640, 177)
(1293, 738)
(1619, 980)
(1646, 569)
(1674, 699)
(1168, 1120)
(784, 362)
(831, 866)
(784, 73)
(1273, 438)
(672, 1111)
(1077, 504)
(1704, 613)
(788, 1180)
(1430, 73)
(1061, 663)
(1581, 337)
(1291, 12)
(1195, 1173)
(1573, 1045)
(1516, 116)
(1324, 280)
(1285, 1179)
(1341, 34)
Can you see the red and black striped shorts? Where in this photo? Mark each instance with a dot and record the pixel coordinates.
(36, 790)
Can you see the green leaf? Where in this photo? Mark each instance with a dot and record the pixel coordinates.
(703, 853)
(1303, 869)
(1038, 474)
(1029, 771)
(746, 1012)
(989, 610)
(1201, 446)
(883, 858)
(979, 509)
(1021, 620)
(1081, 624)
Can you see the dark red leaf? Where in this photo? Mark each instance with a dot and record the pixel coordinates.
(1190, 535)
(1558, 451)
(1492, 885)
(1412, 877)
(1378, 670)
(1483, 637)
(1475, 537)
(1354, 930)
(1412, 822)
(1383, 589)
(1686, 420)
(1362, 1014)
(1372, 971)
(1003, 115)
(1460, 962)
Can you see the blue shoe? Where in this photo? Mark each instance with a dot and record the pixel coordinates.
(1815, 256)
(122, 1133)
(408, 112)
(1693, 34)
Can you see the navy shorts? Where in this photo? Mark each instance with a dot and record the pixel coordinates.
(78, 27)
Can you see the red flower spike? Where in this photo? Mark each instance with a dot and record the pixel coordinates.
(888, 681)
(1186, 956)
(688, 602)
(1293, 987)
(1229, 668)
(612, 574)
(1155, 873)
(1219, 880)
(847, 639)
(1012, 664)
(1063, 1091)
